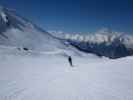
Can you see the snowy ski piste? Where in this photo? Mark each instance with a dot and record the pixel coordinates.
(35, 65)
(36, 76)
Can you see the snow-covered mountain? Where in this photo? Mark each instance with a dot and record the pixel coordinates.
(19, 32)
(103, 43)
(108, 36)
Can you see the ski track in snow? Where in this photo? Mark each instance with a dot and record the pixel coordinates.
(32, 76)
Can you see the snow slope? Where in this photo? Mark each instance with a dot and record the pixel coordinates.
(20, 32)
(48, 76)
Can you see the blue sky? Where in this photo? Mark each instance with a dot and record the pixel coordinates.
(76, 15)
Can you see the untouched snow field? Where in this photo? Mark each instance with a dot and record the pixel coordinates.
(36, 76)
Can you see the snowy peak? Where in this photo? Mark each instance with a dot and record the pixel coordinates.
(3, 15)
(114, 37)
(103, 35)
(9, 18)
(19, 32)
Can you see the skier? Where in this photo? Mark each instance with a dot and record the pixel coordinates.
(26, 49)
(70, 61)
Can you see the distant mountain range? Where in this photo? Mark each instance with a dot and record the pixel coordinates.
(102, 43)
